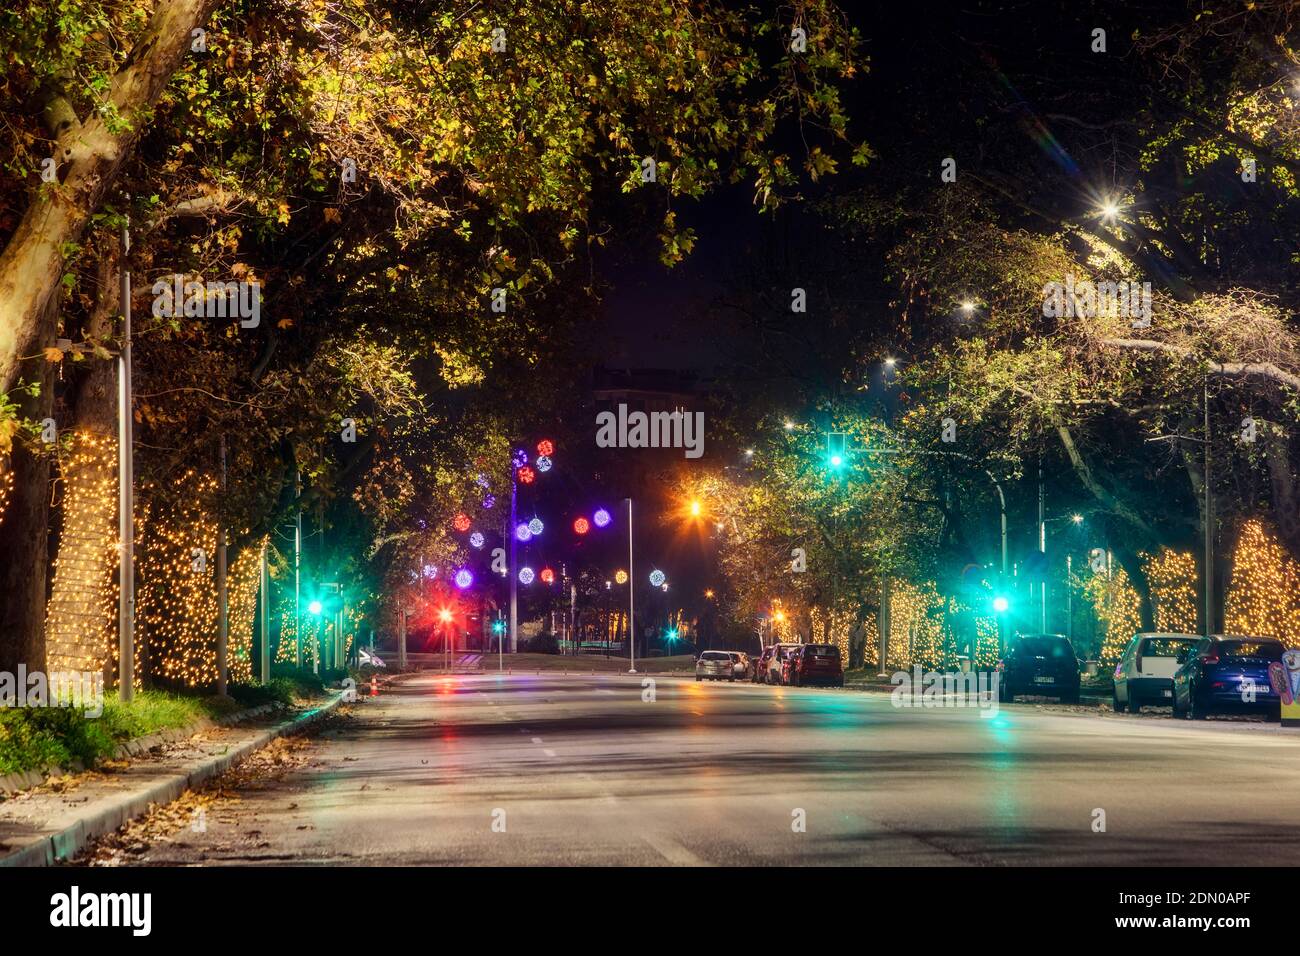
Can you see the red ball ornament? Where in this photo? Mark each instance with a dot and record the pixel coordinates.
(547, 576)
(461, 523)
(526, 475)
(581, 526)
(546, 448)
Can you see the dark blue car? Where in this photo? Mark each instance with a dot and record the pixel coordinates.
(1226, 674)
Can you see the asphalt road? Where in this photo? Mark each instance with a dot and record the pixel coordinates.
(582, 770)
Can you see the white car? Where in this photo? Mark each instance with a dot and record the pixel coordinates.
(715, 665)
(1145, 672)
(780, 654)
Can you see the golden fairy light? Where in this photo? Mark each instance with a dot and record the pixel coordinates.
(81, 615)
(1264, 595)
(6, 484)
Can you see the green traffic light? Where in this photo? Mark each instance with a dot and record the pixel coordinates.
(672, 634)
(1000, 604)
(314, 608)
(498, 627)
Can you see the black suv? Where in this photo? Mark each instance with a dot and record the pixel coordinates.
(1040, 664)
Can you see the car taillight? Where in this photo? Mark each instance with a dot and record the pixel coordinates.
(1209, 658)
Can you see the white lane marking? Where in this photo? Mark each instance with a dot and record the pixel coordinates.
(672, 851)
(549, 753)
(537, 740)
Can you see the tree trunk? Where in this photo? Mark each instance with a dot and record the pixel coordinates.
(1282, 482)
(1137, 577)
(24, 535)
(1225, 553)
(81, 619)
(91, 154)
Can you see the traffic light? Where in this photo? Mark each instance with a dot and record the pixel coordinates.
(498, 627)
(671, 635)
(837, 449)
(315, 608)
(1001, 604)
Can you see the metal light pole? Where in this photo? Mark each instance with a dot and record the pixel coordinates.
(1042, 546)
(266, 616)
(513, 570)
(1069, 597)
(886, 624)
(631, 600)
(1209, 516)
(125, 488)
(297, 575)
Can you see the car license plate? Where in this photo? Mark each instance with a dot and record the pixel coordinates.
(1044, 680)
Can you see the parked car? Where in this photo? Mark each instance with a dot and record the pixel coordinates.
(1040, 664)
(776, 662)
(1226, 672)
(787, 665)
(715, 665)
(740, 664)
(759, 673)
(1145, 672)
(818, 664)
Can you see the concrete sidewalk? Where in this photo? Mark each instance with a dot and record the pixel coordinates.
(52, 822)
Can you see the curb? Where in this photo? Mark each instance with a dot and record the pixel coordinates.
(21, 780)
(48, 850)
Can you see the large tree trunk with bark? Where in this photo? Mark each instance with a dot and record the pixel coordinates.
(1132, 564)
(24, 535)
(81, 618)
(89, 155)
(1282, 484)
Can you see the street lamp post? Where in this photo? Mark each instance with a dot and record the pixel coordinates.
(514, 570)
(125, 487)
(266, 616)
(297, 575)
(631, 600)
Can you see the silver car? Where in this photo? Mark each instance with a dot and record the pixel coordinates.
(715, 665)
